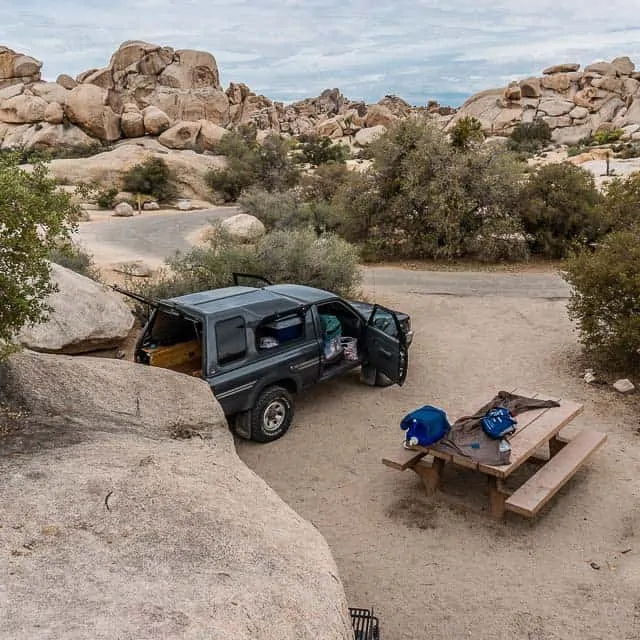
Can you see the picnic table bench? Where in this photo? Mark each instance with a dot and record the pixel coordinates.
(536, 430)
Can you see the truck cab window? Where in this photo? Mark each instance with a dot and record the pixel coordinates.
(231, 339)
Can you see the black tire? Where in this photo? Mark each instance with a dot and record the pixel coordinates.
(373, 377)
(271, 415)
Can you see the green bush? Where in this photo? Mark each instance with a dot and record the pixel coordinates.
(605, 137)
(605, 300)
(317, 150)
(152, 178)
(466, 133)
(576, 150)
(31, 156)
(560, 209)
(301, 257)
(268, 165)
(529, 137)
(423, 198)
(71, 256)
(621, 202)
(105, 198)
(35, 216)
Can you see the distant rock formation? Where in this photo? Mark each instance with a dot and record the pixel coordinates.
(175, 95)
(575, 104)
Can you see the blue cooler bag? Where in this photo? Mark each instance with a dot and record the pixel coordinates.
(425, 426)
(498, 423)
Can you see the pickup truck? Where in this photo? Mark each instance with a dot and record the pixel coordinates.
(259, 346)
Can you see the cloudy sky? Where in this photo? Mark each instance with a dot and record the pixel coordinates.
(291, 49)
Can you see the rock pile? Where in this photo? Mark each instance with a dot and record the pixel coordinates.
(575, 104)
(175, 95)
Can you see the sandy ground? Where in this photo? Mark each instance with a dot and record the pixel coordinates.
(433, 570)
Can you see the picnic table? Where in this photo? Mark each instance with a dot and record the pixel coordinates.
(537, 440)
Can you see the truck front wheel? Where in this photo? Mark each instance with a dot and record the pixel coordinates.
(272, 414)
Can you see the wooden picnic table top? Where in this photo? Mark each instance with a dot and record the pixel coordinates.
(535, 428)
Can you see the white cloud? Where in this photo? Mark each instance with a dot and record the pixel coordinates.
(287, 49)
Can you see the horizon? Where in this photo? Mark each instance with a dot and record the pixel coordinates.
(291, 50)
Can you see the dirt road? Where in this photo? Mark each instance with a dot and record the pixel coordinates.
(150, 237)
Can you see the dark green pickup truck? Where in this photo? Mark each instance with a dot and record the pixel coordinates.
(258, 346)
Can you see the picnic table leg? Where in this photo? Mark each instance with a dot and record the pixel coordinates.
(431, 476)
(497, 497)
(555, 445)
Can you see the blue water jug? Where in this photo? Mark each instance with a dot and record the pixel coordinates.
(425, 426)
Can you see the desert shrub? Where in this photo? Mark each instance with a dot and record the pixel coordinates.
(560, 209)
(576, 150)
(466, 132)
(605, 137)
(300, 256)
(530, 137)
(275, 209)
(317, 150)
(106, 198)
(422, 197)
(621, 202)
(605, 299)
(267, 165)
(35, 216)
(31, 156)
(626, 151)
(499, 240)
(152, 178)
(72, 256)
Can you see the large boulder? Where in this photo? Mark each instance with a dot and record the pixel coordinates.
(555, 106)
(155, 121)
(210, 135)
(66, 81)
(191, 70)
(22, 109)
(243, 227)
(57, 137)
(561, 68)
(368, 135)
(116, 520)
(623, 65)
(54, 113)
(86, 106)
(183, 135)
(16, 67)
(132, 124)
(378, 114)
(85, 316)
(49, 91)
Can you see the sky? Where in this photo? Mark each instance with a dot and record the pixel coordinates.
(287, 50)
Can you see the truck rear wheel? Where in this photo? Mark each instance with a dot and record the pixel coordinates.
(272, 414)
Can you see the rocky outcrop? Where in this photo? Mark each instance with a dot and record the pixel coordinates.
(148, 89)
(176, 95)
(129, 513)
(85, 316)
(108, 168)
(574, 104)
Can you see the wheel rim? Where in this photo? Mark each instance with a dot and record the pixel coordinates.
(274, 416)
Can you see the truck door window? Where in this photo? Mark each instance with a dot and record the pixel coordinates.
(231, 339)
